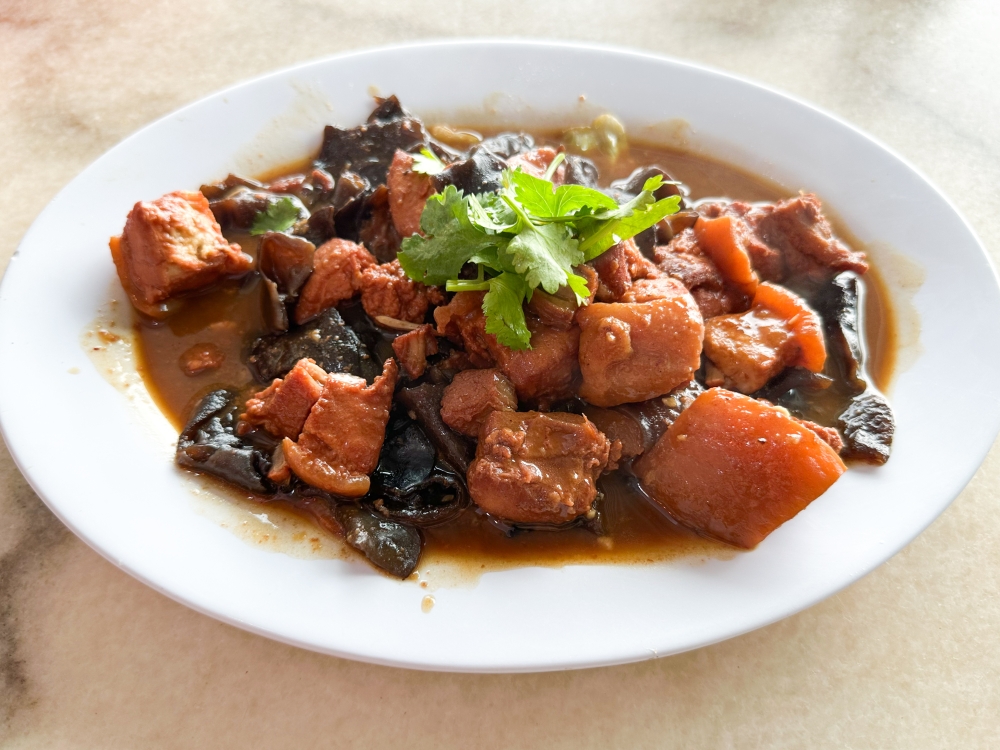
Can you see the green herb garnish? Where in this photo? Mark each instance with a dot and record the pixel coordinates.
(277, 217)
(528, 235)
(427, 162)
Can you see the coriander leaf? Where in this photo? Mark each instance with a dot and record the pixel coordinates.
(580, 288)
(489, 212)
(606, 234)
(652, 184)
(536, 196)
(277, 217)
(427, 162)
(451, 240)
(502, 305)
(571, 198)
(544, 255)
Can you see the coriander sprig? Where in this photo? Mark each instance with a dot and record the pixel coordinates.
(530, 234)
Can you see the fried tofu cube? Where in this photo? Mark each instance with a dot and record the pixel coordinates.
(173, 245)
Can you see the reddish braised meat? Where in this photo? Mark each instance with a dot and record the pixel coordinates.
(337, 271)
(341, 439)
(201, 358)
(387, 290)
(736, 468)
(828, 435)
(283, 406)
(546, 372)
(537, 161)
(637, 350)
(173, 245)
(472, 396)
(411, 349)
(684, 260)
(463, 322)
(778, 331)
(797, 229)
(614, 278)
(408, 193)
(532, 467)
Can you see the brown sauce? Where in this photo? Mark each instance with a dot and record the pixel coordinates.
(229, 316)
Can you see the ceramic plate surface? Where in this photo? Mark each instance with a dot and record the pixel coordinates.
(104, 465)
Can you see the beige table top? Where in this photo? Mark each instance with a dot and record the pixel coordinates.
(908, 657)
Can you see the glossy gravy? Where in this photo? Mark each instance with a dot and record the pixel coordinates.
(229, 316)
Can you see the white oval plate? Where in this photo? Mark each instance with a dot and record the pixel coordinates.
(92, 457)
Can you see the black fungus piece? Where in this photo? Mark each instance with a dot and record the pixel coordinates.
(367, 150)
(837, 303)
(407, 457)
(232, 181)
(388, 110)
(326, 339)
(581, 171)
(239, 209)
(506, 145)
(423, 403)
(788, 387)
(480, 173)
(286, 260)
(274, 306)
(867, 426)
(408, 485)
(393, 547)
(376, 230)
(209, 443)
(376, 339)
(629, 187)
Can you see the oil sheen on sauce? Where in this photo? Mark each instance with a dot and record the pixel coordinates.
(229, 316)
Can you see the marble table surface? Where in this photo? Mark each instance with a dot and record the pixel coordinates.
(909, 657)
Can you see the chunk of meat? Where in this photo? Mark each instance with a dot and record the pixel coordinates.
(201, 358)
(637, 350)
(537, 161)
(714, 302)
(684, 260)
(532, 467)
(341, 439)
(338, 266)
(734, 468)
(548, 371)
(411, 349)
(778, 331)
(799, 231)
(472, 396)
(724, 240)
(614, 278)
(173, 245)
(387, 290)
(749, 348)
(408, 193)
(283, 406)
(463, 322)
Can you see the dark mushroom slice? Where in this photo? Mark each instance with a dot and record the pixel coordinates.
(480, 173)
(286, 260)
(409, 485)
(638, 426)
(238, 210)
(219, 189)
(506, 145)
(581, 171)
(394, 547)
(326, 339)
(388, 110)
(867, 426)
(838, 304)
(423, 403)
(367, 150)
(209, 443)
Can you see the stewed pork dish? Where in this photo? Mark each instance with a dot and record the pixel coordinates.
(428, 336)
